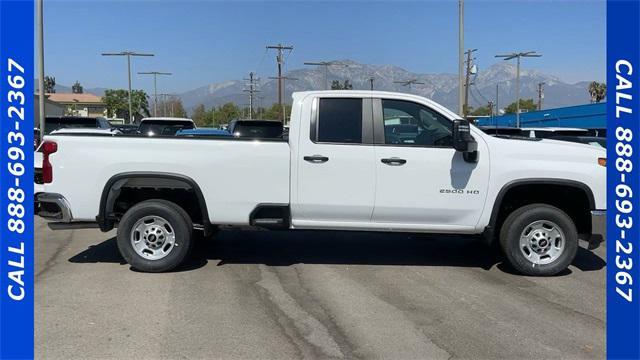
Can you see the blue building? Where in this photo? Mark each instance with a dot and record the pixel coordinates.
(589, 116)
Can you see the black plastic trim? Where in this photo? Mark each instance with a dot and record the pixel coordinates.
(105, 204)
(285, 209)
(490, 229)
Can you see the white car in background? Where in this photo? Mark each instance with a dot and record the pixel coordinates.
(549, 132)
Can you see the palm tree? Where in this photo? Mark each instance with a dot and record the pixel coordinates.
(598, 91)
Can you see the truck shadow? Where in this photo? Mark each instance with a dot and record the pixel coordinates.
(274, 248)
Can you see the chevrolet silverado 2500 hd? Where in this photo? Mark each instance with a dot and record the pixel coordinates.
(354, 160)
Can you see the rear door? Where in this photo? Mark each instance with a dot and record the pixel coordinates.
(335, 164)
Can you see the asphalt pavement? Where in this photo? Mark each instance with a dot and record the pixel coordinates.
(306, 294)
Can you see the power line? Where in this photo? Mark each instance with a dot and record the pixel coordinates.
(371, 79)
(518, 55)
(155, 87)
(326, 65)
(128, 54)
(409, 82)
(251, 90)
(466, 81)
(280, 61)
(540, 94)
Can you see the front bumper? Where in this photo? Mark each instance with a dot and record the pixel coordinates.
(598, 228)
(53, 206)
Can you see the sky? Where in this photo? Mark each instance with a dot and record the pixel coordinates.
(211, 41)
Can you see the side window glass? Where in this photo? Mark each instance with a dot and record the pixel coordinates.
(340, 120)
(409, 123)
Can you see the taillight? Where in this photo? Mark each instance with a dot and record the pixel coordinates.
(47, 148)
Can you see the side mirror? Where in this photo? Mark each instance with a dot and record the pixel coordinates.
(463, 141)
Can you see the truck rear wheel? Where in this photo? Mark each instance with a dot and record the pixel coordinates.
(539, 240)
(155, 236)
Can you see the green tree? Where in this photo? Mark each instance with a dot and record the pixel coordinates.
(525, 105)
(200, 116)
(49, 84)
(117, 102)
(336, 85)
(225, 113)
(275, 112)
(77, 88)
(597, 91)
(481, 111)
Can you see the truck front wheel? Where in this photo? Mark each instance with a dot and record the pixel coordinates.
(155, 236)
(539, 240)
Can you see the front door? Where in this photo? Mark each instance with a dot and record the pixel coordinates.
(422, 182)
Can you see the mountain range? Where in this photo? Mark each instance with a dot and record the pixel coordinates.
(441, 88)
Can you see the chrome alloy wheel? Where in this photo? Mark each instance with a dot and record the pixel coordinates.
(542, 242)
(152, 237)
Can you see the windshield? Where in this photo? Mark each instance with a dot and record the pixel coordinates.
(163, 127)
(52, 124)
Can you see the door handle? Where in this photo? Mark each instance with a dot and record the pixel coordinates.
(394, 161)
(316, 159)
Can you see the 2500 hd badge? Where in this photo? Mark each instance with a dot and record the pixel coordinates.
(459, 191)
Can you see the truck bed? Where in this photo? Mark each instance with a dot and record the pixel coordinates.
(234, 174)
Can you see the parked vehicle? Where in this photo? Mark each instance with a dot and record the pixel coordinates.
(164, 126)
(590, 140)
(53, 123)
(36, 138)
(503, 131)
(548, 132)
(337, 171)
(257, 129)
(127, 128)
(202, 132)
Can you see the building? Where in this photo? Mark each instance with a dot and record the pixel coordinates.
(588, 116)
(50, 109)
(80, 104)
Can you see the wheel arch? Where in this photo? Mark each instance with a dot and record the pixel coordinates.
(161, 180)
(494, 219)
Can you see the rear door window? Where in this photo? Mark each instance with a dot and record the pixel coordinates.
(340, 120)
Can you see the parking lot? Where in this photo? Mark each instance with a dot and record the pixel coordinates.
(280, 295)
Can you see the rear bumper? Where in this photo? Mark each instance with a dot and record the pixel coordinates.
(598, 228)
(53, 206)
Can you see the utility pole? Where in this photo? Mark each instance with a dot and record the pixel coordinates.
(540, 95)
(465, 108)
(251, 90)
(280, 60)
(460, 55)
(371, 79)
(282, 105)
(517, 56)
(497, 107)
(155, 87)
(128, 54)
(326, 65)
(260, 107)
(40, 29)
(164, 102)
(409, 83)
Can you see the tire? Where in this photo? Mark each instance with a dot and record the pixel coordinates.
(531, 245)
(155, 236)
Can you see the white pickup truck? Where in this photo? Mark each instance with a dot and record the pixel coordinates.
(354, 160)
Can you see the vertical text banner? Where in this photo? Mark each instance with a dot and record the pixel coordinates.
(16, 178)
(623, 179)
